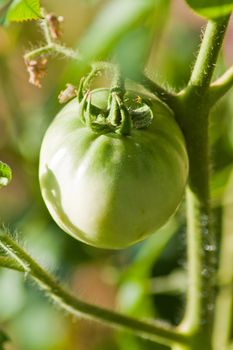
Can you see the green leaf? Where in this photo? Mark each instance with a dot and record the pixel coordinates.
(211, 8)
(133, 297)
(23, 10)
(4, 6)
(140, 40)
(5, 174)
(116, 18)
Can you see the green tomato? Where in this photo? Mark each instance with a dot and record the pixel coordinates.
(110, 190)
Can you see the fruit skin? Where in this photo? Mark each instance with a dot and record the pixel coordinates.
(109, 190)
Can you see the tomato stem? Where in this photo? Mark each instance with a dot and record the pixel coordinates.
(155, 331)
(208, 53)
(163, 94)
(192, 114)
(125, 123)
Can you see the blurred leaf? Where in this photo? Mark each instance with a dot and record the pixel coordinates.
(23, 10)
(174, 284)
(133, 295)
(133, 50)
(3, 339)
(117, 18)
(218, 185)
(151, 250)
(4, 6)
(211, 8)
(5, 174)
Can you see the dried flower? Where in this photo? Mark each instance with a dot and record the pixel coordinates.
(67, 94)
(36, 69)
(54, 23)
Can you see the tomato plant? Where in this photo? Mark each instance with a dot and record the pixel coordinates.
(114, 166)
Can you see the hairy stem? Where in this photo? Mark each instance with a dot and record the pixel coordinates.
(155, 331)
(192, 113)
(164, 95)
(10, 263)
(45, 28)
(208, 54)
(52, 48)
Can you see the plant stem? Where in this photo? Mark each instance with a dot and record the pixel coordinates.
(164, 95)
(193, 117)
(208, 54)
(10, 264)
(50, 48)
(155, 331)
(200, 242)
(45, 28)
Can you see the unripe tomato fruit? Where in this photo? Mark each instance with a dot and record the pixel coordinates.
(110, 190)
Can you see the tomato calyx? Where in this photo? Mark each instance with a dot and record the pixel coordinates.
(123, 112)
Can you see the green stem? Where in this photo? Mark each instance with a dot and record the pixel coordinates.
(208, 54)
(50, 48)
(45, 28)
(164, 95)
(118, 83)
(192, 113)
(155, 331)
(10, 264)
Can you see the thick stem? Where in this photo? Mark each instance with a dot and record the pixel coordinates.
(155, 331)
(200, 242)
(193, 119)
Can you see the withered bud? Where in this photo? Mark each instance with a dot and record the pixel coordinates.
(37, 70)
(54, 23)
(67, 94)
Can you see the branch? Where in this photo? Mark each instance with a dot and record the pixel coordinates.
(206, 60)
(221, 86)
(51, 44)
(52, 48)
(163, 94)
(10, 264)
(193, 118)
(155, 331)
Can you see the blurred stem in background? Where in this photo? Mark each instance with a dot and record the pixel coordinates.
(224, 302)
(14, 123)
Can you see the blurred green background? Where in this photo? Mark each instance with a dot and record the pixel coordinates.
(146, 280)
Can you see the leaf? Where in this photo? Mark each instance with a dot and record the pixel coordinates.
(23, 10)
(211, 8)
(116, 18)
(4, 6)
(140, 40)
(133, 296)
(5, 174)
